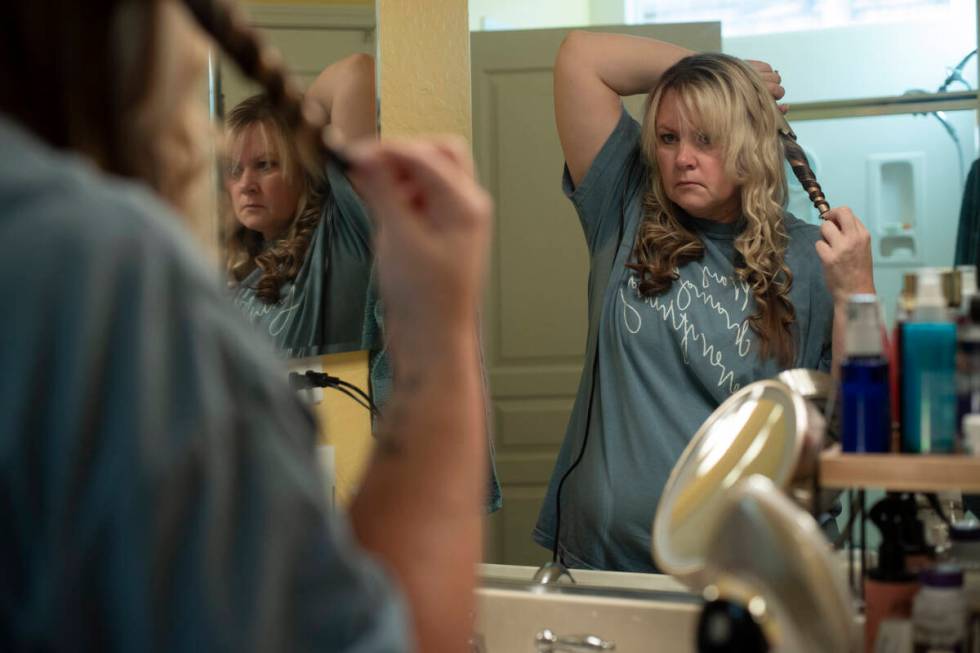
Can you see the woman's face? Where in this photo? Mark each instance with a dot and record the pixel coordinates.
(262, 198)
(692, 169)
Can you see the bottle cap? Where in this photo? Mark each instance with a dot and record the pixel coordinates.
(930, 303)
(909, 280)
(952, 282)
(968, 281)
(971, 432)
(944, 575)
(863, 335)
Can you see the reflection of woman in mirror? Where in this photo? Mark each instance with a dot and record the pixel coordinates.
(299, 251)
(299, 248)
(154, 460)
(700, 283)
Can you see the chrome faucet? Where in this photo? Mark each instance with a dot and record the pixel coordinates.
(547, 642)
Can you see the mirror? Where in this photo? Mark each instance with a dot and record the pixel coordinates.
(298, 246)
(764, 429)
(847, 69)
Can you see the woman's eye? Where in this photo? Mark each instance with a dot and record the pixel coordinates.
(668, 139)
(704, 139)
(234, 172)
(266, 165)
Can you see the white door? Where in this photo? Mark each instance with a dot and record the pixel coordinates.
(535, 313)
(309, 38)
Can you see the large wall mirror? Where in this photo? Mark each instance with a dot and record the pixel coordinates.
(321, 309)
(883, 99)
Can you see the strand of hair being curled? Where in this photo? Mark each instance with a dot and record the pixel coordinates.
(728, 102)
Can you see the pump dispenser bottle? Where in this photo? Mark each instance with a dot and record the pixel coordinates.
(865, 413)
(889, 588)
(928, 371)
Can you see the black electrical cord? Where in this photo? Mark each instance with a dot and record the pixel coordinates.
(311, 379)
(588, 413)
(356, 399)
(581, 454)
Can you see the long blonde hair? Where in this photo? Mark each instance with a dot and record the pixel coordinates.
(729, 103)
(281, 260)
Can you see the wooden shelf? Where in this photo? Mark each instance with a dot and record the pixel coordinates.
(909, 472)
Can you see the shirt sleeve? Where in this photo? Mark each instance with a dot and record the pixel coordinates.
(615, 176)
(351, 220)
(159, 476)
(815, 312)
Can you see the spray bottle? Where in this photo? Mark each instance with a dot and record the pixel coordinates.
(865, 414)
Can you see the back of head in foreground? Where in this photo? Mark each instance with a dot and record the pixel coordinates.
(168, 496)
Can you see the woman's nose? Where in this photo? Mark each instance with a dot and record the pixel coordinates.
(685, 156)
(247, 183)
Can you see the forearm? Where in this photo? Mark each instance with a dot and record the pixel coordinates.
(420, 505)
(627, 65)
(346, 91)
(592, 71)
(839, 338)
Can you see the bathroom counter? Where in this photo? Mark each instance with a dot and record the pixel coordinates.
(634, 611)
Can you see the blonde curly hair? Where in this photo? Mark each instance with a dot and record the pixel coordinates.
(280, 261)
(729, 103)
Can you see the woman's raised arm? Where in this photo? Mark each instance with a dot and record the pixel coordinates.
(592, 71)
(346, 91)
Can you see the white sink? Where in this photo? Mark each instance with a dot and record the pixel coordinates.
(649, 613)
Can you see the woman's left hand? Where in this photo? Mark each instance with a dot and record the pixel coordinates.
(845, 252)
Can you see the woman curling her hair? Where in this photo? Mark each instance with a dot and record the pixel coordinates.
(712, 95)
(299, 241)
(700, 282)
(174, 484)
(299, 247)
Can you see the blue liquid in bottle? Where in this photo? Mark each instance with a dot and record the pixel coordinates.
(865, 406)
(928, 388)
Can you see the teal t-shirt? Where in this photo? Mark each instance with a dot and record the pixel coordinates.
(664, 363)
(158, 480)
(322, 310)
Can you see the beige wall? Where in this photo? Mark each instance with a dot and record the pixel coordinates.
(369, 3)
(528, 14)
(344, 424)
(424, 68)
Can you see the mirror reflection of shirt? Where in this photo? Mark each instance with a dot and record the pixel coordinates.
(322, 310)
(665, 362)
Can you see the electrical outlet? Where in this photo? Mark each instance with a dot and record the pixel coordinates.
(310, 396)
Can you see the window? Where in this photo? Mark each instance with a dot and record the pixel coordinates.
(744, 17)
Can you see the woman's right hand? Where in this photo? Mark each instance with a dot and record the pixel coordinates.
(772, 79)
(433, 233)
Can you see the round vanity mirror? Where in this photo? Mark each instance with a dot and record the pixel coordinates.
(764, 428)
